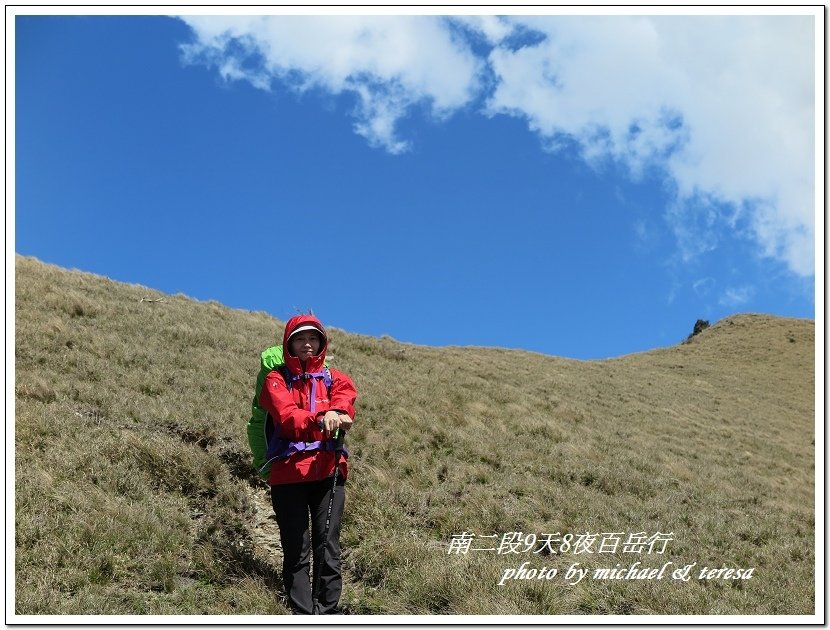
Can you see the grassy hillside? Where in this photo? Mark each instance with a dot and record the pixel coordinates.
(134, 492)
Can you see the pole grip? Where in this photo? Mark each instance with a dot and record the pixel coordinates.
(339, 436)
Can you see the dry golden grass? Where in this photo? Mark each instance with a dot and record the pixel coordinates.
(133, 490)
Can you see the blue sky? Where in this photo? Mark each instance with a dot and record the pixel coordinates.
(583, 187)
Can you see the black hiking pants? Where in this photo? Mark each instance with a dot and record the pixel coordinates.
(293, 503)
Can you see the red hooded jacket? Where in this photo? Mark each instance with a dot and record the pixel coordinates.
(290, 410)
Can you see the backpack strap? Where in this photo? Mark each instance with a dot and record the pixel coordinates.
(290, 379)
(281, 448)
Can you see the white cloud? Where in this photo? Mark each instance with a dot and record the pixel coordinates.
(735, 297)
(492, 28)
(725, 105)
(703, 286)
(390, 64)
(722, 105)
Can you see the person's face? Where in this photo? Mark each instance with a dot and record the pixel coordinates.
(305, 344)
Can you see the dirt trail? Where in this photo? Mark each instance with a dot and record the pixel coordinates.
(265, 538)
(265, 533)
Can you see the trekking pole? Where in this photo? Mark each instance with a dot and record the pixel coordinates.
(338, 447)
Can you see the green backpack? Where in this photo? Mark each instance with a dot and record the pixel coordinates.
(259, 426)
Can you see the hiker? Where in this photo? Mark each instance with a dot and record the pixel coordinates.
(308, 412)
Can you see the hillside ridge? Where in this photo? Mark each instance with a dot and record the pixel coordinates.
(151, 296)
(134, 492)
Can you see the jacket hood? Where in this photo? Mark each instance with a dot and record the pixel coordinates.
(315, 363)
